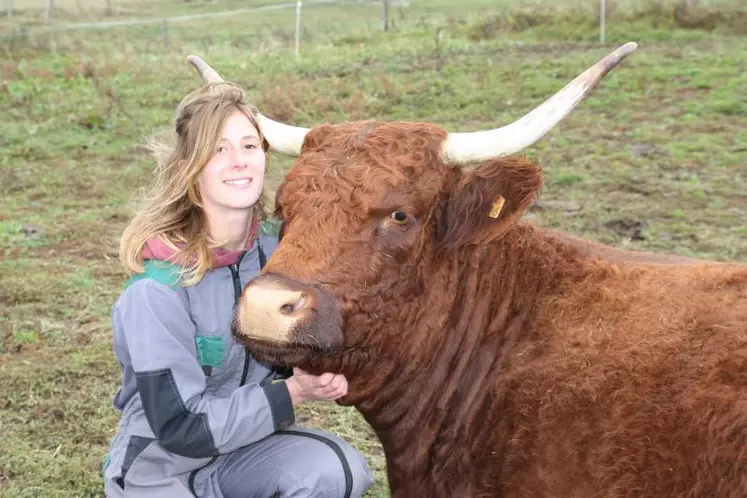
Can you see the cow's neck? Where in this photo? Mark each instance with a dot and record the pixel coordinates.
(475, 309)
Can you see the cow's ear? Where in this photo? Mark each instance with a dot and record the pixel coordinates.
(485, 202)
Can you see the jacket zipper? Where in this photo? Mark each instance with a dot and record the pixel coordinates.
(236, 295)
(236, 280)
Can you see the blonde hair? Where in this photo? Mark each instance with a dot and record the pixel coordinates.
(172, 211)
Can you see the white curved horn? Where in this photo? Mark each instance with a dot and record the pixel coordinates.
(284, 139)
(208, 74)
(465, 148)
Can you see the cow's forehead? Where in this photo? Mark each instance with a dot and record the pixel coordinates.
(402, 131)
(413, 147)
(367, 163)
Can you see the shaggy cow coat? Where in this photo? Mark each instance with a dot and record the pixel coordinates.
(495, 358)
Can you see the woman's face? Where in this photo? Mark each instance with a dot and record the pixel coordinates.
(233, 178)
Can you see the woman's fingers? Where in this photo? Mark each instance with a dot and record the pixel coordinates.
(327, 386)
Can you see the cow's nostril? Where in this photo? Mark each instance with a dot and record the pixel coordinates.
(289, 308)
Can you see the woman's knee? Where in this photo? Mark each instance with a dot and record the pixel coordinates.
(348, 478)
(361, 476)
(338, 468)
(296, 463)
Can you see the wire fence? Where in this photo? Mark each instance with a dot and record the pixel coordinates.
(24, 31)
(20, 32)
(181, 18)
(108, 8)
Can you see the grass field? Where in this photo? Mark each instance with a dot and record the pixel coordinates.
(655, 158)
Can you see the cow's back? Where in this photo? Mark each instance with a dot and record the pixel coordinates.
(634, 384)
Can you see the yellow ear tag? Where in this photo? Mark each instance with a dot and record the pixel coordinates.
(495, 211)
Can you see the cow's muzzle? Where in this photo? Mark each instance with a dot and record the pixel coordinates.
(287, 322)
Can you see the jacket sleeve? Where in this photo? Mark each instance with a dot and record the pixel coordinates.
(160, 338)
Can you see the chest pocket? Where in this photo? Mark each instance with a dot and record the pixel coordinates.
(217, 354)
(211, 351)
(221, 362)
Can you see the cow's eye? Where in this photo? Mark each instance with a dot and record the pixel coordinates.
(399, 217)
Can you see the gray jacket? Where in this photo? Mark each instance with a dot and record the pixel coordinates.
(190, 393)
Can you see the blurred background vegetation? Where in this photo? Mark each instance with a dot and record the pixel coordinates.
(655, 158)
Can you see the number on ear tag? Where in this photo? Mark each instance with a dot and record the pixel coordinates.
(495, 211)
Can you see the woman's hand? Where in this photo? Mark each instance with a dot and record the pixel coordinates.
(326, 387)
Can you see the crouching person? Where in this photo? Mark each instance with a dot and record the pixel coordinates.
(200, 416)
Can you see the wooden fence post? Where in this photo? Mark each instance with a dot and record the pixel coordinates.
(385, 15)
(602, 20)
(48, 11)
(299, 3)
(9, 8)
(165, 30)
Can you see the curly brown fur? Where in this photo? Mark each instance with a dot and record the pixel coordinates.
(494, 358)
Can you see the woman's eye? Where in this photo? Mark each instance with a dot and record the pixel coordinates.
(250, 146)
(399, 217)
(220, 149)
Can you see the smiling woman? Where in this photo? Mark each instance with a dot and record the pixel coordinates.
(202, 170)
(200, 416)
(231, 182)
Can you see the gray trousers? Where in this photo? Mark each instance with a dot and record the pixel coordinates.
(296, 463)
(292, 464)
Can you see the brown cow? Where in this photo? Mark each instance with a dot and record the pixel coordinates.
(492, 357)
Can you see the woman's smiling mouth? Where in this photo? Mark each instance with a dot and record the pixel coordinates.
(239, 182)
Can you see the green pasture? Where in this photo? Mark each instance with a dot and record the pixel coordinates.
(655, 158)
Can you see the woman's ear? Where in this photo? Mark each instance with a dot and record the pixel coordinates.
(485, 202)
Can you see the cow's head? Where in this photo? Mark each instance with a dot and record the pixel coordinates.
(367, 208)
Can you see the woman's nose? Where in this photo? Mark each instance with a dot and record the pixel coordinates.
(238, 161)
